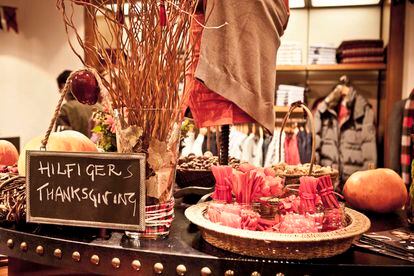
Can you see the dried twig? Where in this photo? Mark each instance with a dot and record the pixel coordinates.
(142, 61)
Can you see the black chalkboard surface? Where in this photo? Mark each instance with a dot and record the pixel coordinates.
(103, 190)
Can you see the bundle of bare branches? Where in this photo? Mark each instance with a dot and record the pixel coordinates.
(141, 50)
(142, 47)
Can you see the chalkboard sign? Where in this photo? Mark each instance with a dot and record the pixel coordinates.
(104, 190)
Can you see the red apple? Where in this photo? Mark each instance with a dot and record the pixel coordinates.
(85, 87)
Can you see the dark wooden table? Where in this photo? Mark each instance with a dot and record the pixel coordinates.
(183, 247)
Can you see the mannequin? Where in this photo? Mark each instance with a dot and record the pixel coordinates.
(233, 79)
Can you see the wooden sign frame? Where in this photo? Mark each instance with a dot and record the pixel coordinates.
(140, 207)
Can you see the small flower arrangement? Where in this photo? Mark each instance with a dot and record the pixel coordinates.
(104, 132)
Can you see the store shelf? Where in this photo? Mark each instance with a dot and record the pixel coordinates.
(333, 67)
(290, 67)
(285, 109)
(347, 67)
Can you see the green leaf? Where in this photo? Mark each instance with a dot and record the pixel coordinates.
(97, 129)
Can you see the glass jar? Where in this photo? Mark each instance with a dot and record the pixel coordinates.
(267, 207)
(334, 218)
(161, 146)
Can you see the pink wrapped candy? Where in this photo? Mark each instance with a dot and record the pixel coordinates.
(230, 220)
(249, 219)
(296, 223)
(214, 211)
(289, 204)
(232, 215)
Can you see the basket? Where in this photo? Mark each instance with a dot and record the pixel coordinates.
(12, 198)
(294, 178)
(189, 177)
(199, 177)
(279, 245)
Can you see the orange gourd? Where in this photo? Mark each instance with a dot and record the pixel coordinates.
(68, 141)
(8, 153)
(379, 190)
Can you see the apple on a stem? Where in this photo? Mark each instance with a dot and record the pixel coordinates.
(85, 87)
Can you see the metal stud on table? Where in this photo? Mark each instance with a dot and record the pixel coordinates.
(76, 256)
(40, 250)
(158, 268)
(95, 259)
(136, 265)
(229, 273)
(116, 263)
(23, 246)
(10, 243)
(57, 253)
(255, 273)
(181, 270)
(206, 271)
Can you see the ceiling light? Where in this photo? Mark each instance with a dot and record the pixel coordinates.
(294, 4)
(338, 3)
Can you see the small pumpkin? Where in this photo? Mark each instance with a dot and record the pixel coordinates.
(68, 141)
(8, 153)
(380, 190)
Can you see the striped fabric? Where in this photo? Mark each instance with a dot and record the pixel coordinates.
(362, 52)
(363, 43)
(407, 151)
(158, 219)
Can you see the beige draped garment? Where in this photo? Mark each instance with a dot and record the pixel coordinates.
(238, 60)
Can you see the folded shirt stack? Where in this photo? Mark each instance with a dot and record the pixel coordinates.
(288, 94)
(289, 53)
(361, 51)
(322, 54)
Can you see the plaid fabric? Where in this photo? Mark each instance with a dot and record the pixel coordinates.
(360, 52)
(365, 43)
(158, 219)
(407, 151)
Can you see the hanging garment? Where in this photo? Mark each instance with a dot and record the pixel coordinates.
(343, 113)
(407, 151)
(188, 143)
(272, 154)
(266, 143)
(197, 147)
(207, 107)
(351, 145)
(235, 143)
(213, 144)
(237, 61)
(304, 145)
(395, 122)
(257, 158)
(247, 149)
(291, 150)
